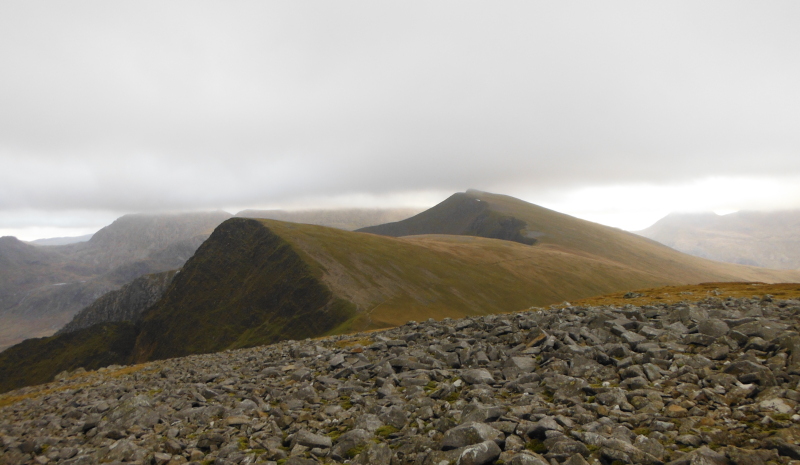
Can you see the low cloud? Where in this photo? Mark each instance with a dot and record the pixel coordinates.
(120, 108)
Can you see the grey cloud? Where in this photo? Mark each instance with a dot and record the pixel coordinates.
(158, 105)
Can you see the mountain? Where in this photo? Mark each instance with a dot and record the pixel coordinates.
(256, 281)
(460, 214)
(347, 218)
(41, 288)
(767, 239)
(476, 213)
(61, 240)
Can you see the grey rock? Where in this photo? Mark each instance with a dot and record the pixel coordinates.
(311, 440)
(477, 376)
(350, 441)
(527, 458)
(468, 434)
(375, 454)
(713, 328)
(480, 454)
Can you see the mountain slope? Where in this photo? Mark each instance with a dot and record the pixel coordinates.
(768, 239)
(245, 286)
(557, 231)
(460, 214)
(258, 281)
(255, 281)
(35, 361)
(41, 288)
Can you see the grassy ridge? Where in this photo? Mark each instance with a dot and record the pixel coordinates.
(245, 286)
(392, 280)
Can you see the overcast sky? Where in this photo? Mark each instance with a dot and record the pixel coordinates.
(617, 112)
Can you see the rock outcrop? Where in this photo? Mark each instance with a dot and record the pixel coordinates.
(125, 304)
(707, 382)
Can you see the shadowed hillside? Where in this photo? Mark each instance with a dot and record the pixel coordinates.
(461, 214)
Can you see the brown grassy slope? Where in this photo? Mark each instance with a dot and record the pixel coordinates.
(695, 292)
(259, 281)
(393, 280)
(574, 236)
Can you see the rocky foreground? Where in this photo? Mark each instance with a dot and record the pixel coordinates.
(714, 382)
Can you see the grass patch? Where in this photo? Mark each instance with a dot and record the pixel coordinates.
(535, 445)
(385, 430)
(351, 453)
(345, 343)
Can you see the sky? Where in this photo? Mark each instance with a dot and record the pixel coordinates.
(616, 112)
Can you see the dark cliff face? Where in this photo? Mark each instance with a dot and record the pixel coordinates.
(459, 214)
(245, 286)
(125, 304)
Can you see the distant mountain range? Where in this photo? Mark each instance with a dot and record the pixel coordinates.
(257, 281)
(41, 288)
(61, 240)
(44, 283)
(765, 239)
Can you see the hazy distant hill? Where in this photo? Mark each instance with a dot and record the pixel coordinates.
(41, 288)
(766, 239)
(258, 281)
(348, 219)
(61, 240)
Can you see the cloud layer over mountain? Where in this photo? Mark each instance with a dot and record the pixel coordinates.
(199, 105)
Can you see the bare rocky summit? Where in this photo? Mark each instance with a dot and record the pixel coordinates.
(711, 382)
